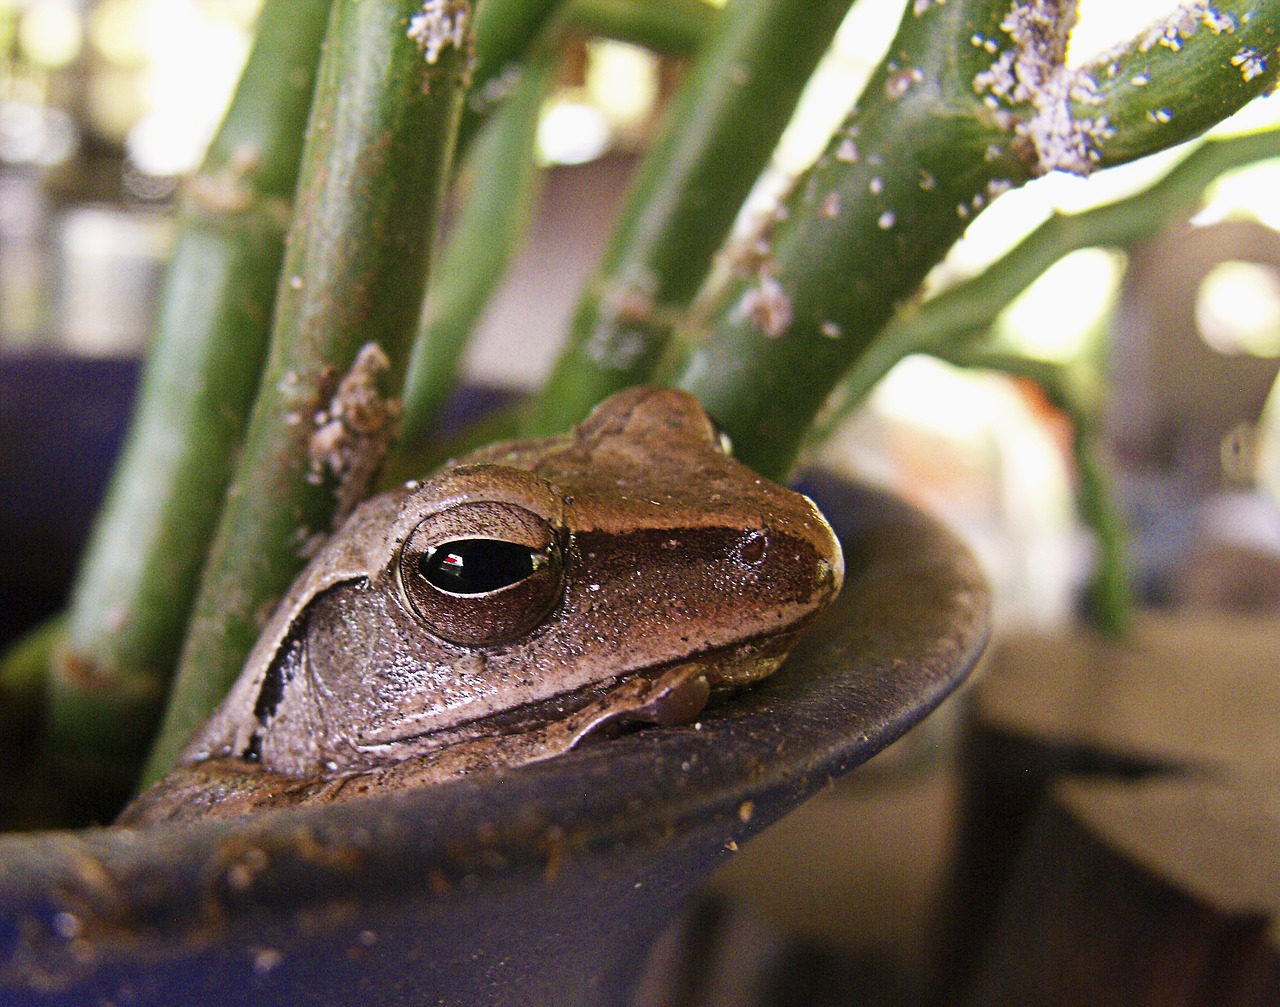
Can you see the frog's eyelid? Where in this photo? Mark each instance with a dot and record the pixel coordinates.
(481, 573)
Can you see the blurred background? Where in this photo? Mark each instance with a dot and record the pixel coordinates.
(106, 104)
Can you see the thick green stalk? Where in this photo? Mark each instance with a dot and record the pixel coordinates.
(138, 579)
(969, 309)
(1169, 83)
(716, 139)
(24, 675)
(973, 98)
(379, 146)
(957, 322)
(883, 204)
(500, 184)
(673, 27)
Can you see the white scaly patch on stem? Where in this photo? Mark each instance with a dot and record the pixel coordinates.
(768, 307)
(1250, 63)
(1034, 72)
(1172, 30)
(355, 431)
(441, 24)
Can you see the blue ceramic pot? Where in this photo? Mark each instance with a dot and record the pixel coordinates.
(61, 422)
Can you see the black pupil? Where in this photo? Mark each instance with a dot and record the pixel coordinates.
(476, 565)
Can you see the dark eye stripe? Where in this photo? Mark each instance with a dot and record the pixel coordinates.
(477, 565)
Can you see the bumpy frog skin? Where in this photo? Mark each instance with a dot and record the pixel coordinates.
(525, 597)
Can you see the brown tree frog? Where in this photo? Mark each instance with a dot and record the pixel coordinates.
(529, 595)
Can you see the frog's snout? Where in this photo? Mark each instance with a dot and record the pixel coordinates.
(814, 543)
(789, 567)
(830, 555)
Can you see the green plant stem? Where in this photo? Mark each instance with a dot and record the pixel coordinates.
(1110, 598)
(507, 29)
(500, 182)
(882, 205)
(970, 308)
(137, 581)
(673, 27)
(24, 675)
(29, 799)
(960, 110)
(956, 323)
(1170, 84)
(715, 141)
(1110, 593)
(379, 146)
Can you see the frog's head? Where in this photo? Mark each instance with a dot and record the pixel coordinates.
(525, 580)
(668, 546)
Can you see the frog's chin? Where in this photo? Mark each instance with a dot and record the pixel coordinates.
(669, 694)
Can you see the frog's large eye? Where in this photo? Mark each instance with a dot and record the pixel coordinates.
(482, 574)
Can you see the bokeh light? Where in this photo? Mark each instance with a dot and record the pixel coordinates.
(572, 131)
(1238, 309)
(622, 82)
(50, 33)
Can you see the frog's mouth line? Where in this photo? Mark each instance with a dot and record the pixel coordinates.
(675, 694)
(669, 694)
